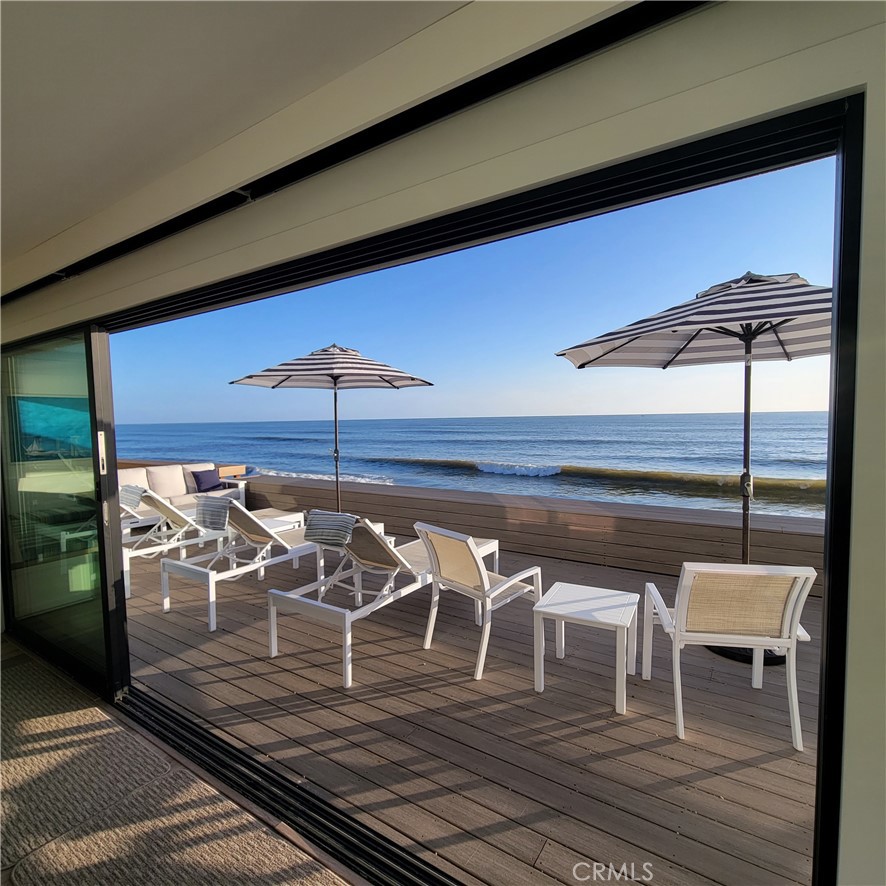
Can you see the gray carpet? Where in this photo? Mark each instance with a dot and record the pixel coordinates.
(89, 802)
(63, 759)
(176, 831)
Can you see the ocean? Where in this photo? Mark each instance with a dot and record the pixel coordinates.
(675, 460)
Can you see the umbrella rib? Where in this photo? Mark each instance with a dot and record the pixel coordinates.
(610, 351)
(683, 347)
(775, 328)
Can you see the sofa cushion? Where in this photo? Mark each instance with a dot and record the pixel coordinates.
(167, 480)
(133, 477)
(207, 481)
(189, 473)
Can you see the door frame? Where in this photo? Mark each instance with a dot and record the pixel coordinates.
(116, 677)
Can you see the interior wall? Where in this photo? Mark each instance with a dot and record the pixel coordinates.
(724, 66)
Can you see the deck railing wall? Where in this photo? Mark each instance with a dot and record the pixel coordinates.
(641, 537)
(645, 538)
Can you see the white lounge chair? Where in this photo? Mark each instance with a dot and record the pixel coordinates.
(252, 546)
(457, 564)
(367, 553)
(755, 607)
(174, 530)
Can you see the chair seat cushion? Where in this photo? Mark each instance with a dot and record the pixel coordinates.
(166, 480)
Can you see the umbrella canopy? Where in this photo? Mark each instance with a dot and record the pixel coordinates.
(784, 316)
(753, 317)
(334, 368)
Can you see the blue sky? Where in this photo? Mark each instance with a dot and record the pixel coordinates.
(484, 324)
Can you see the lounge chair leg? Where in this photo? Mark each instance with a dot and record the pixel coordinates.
(793, 699)
(127, 575)
(757, 669)
(211, 588)
(321, 564)
(484, 643)
(678, 693)
(358, 589)
(478, 613)
(432, 615)
(272, 627)
(164, 588)
(648, 608)
(346, 654)
(560, 635)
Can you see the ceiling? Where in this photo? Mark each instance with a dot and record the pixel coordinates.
(123, 93)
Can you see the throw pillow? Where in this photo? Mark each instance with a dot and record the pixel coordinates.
(207, 481)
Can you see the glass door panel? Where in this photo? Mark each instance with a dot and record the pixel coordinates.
(51, 507)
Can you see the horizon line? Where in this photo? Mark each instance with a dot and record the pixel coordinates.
(457, 417)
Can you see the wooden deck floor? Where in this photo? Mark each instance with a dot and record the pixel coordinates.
(489, 780)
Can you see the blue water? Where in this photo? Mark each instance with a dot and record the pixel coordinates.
(643, 459)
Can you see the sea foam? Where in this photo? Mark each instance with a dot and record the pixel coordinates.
(492, 467)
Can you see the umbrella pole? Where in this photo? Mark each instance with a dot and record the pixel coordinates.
(335, 450)
(747, 481)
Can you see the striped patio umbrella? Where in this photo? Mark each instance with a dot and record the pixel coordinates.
(334, 368)
(753, 317)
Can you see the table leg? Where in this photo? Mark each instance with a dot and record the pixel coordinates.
(539, 638)
(560, 633)
(620, 662)
(632, 645)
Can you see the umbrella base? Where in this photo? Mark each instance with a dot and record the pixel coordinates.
(746, 656)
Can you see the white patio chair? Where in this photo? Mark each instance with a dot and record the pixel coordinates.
(756, 607)
(251, 546)
(174, 530)
(366, 553)
(456, 563)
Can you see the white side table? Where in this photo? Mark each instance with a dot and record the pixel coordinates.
(597, 607)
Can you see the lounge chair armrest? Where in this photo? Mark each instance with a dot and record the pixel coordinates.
(533, 572)
(654, 595)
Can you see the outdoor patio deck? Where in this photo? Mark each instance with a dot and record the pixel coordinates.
(489, 780)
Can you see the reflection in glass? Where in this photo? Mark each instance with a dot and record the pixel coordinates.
(49, 497)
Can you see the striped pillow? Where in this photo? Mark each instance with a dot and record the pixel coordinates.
(212, 512)
(130, 496)
(329, 528)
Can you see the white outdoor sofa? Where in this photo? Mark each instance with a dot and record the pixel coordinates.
(175, 483)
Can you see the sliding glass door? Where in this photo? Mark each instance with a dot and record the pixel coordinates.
(59, 538)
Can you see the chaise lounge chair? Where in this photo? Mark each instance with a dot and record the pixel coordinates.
(252, 546)
(174, 530)
(366, 553)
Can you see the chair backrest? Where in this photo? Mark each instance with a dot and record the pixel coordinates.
(455, 560)
(741, 600)
(170, 514)
(250, 528)
(369, 550)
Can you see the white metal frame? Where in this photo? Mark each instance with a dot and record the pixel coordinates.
(351, 567)
(491, 597)
(674, 623)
